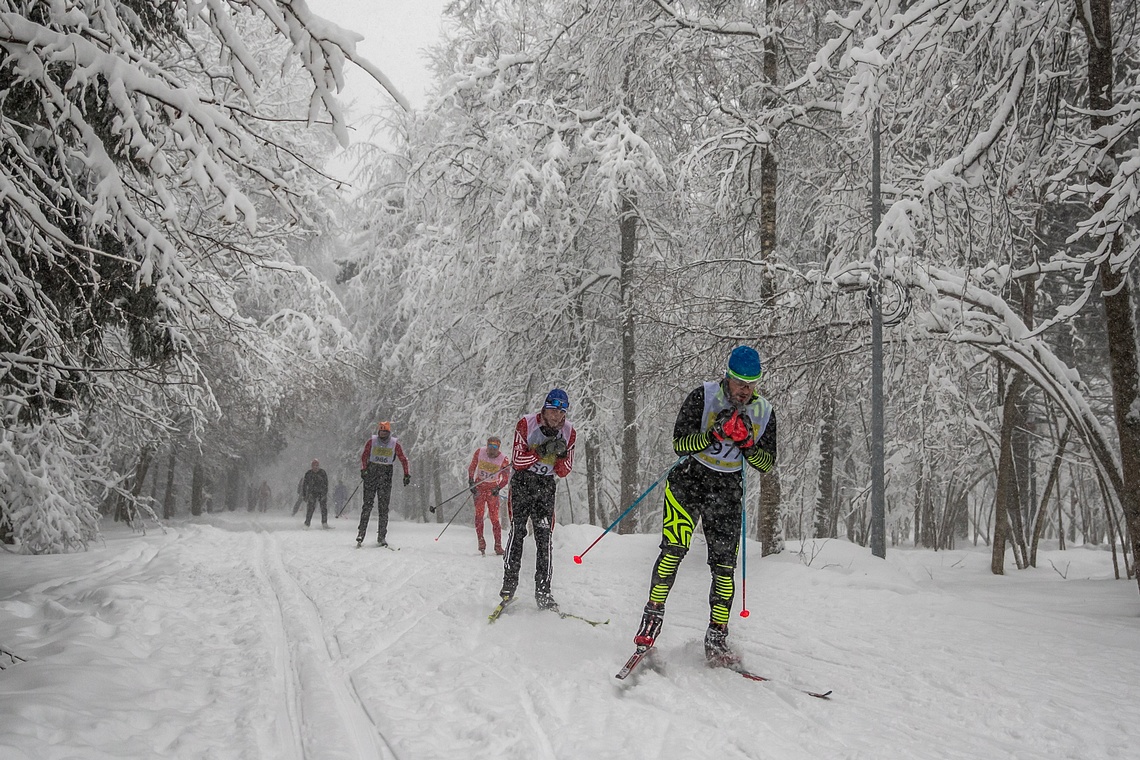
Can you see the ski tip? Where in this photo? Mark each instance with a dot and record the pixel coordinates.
(638, 655)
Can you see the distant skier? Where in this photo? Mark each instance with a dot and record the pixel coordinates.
(340, 496)
(543, 449)
(719, 424)
(487, 474)
(380, 452)
(264, 496)
(315, 488)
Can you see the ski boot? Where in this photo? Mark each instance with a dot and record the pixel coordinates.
(651, 621)
(546, 601)
(718, 653)
(499, 550)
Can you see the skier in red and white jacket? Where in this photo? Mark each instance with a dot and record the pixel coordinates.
(488, 474)
(381, 451)
(543, 450)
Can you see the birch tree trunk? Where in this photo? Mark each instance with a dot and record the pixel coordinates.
(768, 528)
(825, 506)
(593, 482)
(629, 451)
(769, 522)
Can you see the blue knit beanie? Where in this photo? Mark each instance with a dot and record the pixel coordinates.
(557, 399)
(744, 364)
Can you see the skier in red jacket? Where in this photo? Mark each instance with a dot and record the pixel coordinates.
(380, 453)
(543, 450)
(487, 474)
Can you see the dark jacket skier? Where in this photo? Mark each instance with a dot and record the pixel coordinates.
(720, 425)
(315, 488)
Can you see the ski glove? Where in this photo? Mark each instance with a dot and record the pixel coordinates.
(718, 430)
(741, 432)
(560, 448)
(494, 491)
(471, 485)
(362, 474)
(735, 427)
(407, 479)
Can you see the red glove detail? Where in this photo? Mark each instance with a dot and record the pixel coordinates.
(735, 428)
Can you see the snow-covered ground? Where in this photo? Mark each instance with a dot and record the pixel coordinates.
(244, 636)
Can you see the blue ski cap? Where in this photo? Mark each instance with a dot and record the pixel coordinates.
(557, 399)
(744, 365)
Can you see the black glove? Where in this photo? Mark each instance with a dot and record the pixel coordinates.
(551, 448)
(362, 474)
(725, 422)
(470, 485)
(494, 491)
(407, 479)
(431, 509)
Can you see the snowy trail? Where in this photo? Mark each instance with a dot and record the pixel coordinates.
(326, 714)
(242, 636)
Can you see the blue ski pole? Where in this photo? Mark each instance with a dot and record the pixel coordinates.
(743, 542)
(578, 557)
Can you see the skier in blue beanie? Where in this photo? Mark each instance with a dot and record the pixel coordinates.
(543, 450)
(720, 425)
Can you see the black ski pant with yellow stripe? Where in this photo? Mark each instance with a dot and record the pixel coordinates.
(694, 492)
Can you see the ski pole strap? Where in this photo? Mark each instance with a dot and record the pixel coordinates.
(636, 501)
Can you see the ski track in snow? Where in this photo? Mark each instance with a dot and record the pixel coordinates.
(332, 721)
(244, 637)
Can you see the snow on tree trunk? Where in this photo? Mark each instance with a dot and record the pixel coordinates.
(1096, 15)
(629, 448)
(825, 502)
